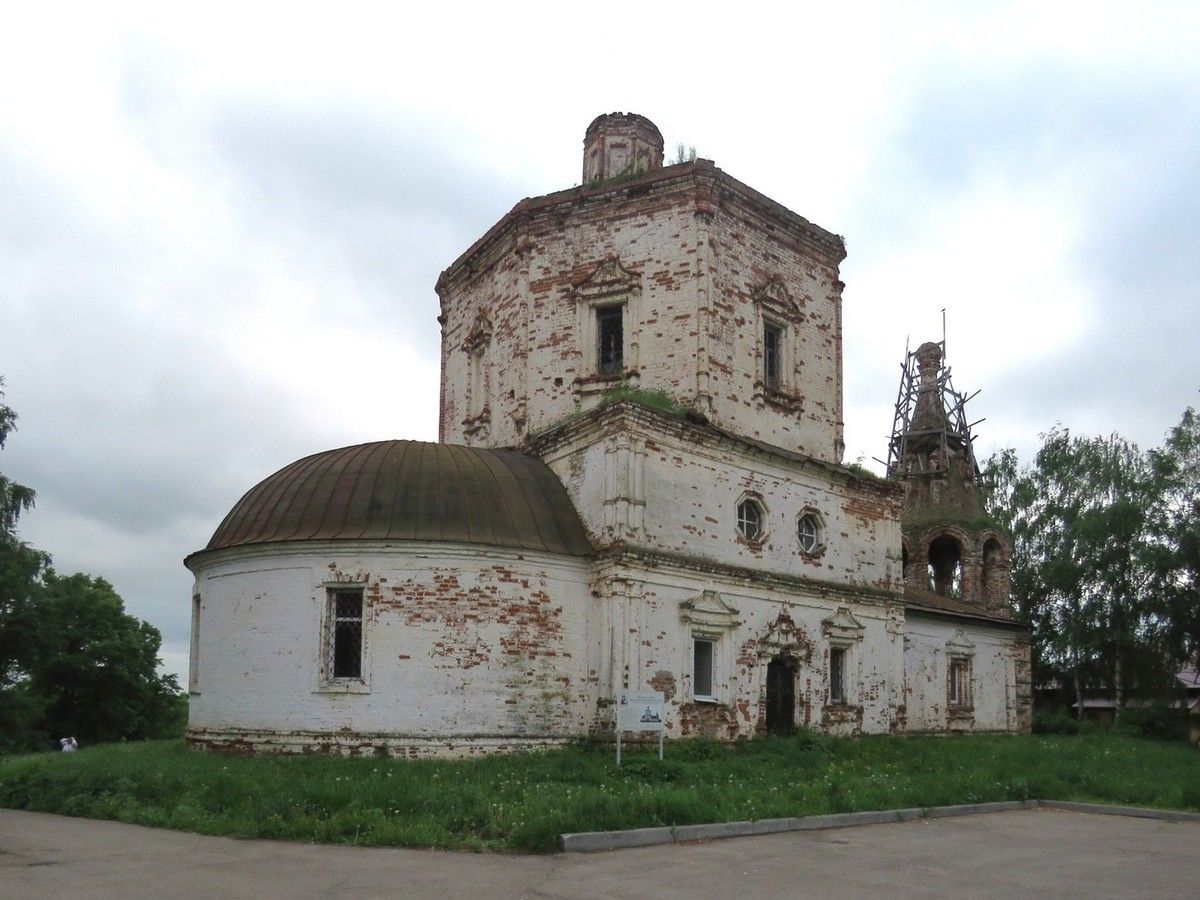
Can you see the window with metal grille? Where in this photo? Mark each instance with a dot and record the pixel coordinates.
(702, 669)
(346, 632)
(837, 675)
(772, 352)
(610, 340)
(749, 519)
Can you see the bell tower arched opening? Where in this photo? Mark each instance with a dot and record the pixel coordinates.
(945, 566)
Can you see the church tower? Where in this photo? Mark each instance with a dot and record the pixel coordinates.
(949, 544)
(677, 279)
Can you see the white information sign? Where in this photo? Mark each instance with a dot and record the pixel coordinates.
(640, 711)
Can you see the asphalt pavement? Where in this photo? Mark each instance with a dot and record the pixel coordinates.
(1042, 853)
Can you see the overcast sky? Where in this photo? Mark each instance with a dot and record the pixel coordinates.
(219, 233)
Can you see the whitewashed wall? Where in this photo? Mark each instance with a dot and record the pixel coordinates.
(663, 485)
(646, 611)
(993, 674)
(462, 644)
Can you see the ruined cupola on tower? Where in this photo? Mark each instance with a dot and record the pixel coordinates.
(619, 144)
(949, 544)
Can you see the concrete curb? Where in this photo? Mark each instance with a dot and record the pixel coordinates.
(1137, 812)
(592, 841)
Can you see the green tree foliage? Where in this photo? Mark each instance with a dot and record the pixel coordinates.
(72, 661)
(1104, 560)
(1176, 526)
(21, 567)
(96, 667)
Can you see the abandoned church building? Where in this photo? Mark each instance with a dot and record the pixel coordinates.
(638, 486)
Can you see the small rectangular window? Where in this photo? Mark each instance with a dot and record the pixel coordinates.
(346, 632)
(960, 681)
(610, 340)
(837, 675)
(702, 669)
(772, 353)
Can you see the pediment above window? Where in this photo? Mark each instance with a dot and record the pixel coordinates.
(842, 628)
(708, 612)
(480, 334)
(959, 645)
(774, 297)
(608, 279)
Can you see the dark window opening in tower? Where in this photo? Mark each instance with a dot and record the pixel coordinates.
(772, 348)
(610, 336)
(945, 567)
(904, 562)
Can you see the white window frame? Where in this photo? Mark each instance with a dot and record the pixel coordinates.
(761, 507)
(328, 682)
(818, 531)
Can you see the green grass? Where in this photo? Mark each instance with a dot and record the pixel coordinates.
(524, 801)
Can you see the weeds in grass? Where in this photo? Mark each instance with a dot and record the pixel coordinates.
(525, 801)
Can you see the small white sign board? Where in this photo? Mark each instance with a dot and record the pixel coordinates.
(640, 711)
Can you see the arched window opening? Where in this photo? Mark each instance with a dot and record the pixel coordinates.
(904, 561)
(945, 567)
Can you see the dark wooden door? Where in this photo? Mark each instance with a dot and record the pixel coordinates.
(781, 696)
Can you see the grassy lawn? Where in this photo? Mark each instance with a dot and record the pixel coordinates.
(523, 802)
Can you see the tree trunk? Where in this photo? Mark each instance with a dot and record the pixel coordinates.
(1078, 687)
(1119, 686)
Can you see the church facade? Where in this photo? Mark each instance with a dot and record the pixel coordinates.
(638, 486)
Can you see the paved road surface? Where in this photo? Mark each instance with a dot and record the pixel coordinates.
(1024, 854)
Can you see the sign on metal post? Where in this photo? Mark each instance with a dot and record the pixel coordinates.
(640, 712)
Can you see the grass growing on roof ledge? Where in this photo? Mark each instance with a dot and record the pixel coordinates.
(524, 801)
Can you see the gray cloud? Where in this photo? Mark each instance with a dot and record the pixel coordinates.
(1123, 152)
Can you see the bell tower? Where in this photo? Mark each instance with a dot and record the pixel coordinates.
(949, 546)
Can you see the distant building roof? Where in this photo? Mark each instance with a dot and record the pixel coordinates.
(410, 491)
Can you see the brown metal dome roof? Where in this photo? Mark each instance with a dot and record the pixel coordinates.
(410, 491)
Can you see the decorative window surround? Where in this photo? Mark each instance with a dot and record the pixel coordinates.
(842, 629)
(843, 632)
(810, 527)
(708, 613)
(478, 347)
(751, 521)
(609, 285)
(711, 620)
(776, 310)
(960, 694)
